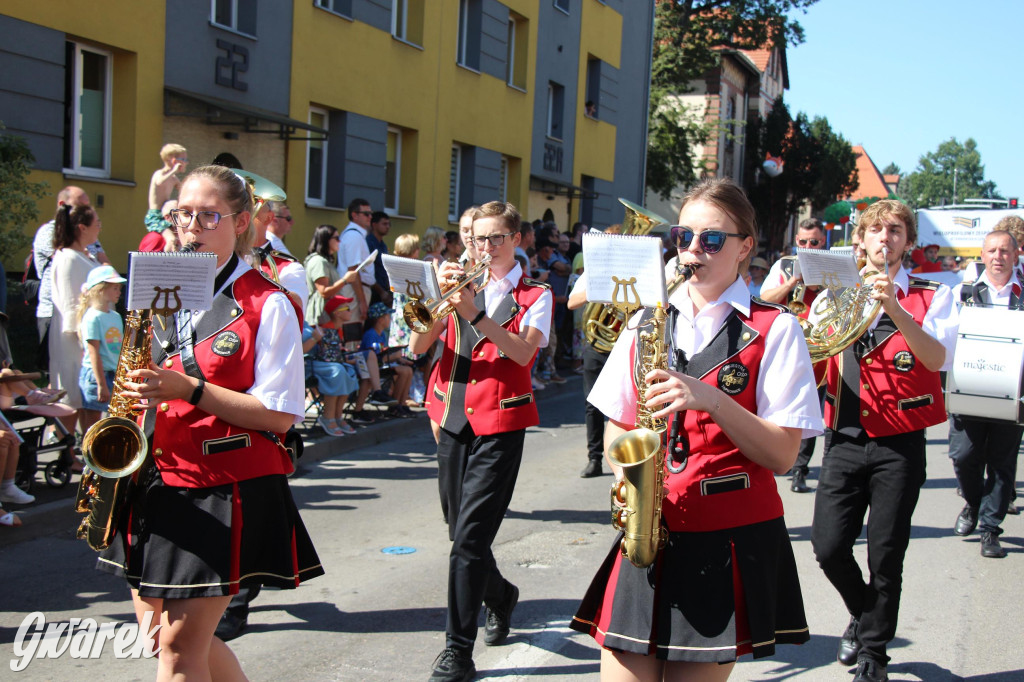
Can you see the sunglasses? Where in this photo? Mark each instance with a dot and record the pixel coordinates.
(805, 242)
(711, 241)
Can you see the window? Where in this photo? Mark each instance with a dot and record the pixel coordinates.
(342, 7)
(503, 179)
(562, 5)
(316, 161)
(407, 20)
(392, 170)
(556, 105)
(400, 18)
(237, 15)
(516, 51)
(454, 172)
(593, 101)
(730, 123)
(87, 97)
(470, 28)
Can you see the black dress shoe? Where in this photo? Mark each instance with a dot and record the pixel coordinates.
(799, 484)
(230, 626)
(499, 618)
(452, 665)
(869, 670)
(849, 643)
(592, 469)
(990, 547)
(967, 521)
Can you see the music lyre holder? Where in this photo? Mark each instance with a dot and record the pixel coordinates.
(167, 309)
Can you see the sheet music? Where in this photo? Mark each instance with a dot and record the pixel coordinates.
(824, 268)
(171, 280)
(409, 274)
(626, 263)
(369, 259)
(847, 250)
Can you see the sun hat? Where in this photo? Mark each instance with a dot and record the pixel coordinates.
(378, 309)
(101, 275)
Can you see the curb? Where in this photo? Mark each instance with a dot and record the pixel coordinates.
(59, 516)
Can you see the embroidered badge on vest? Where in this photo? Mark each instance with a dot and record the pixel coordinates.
(227, 343)
(733, 378)
(903, 361)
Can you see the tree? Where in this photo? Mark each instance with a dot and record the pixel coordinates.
(18, 196)
(688, 35)
(892, 169)
(818, 166)
(932, 182)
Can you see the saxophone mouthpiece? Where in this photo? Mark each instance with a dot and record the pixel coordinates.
(189, 248)
(686, 272)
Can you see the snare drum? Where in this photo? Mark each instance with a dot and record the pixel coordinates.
(986, 380)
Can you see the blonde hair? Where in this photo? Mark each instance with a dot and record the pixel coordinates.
(406, 244)
(432, 240)
(169, 150)
(92, 298)
(238, 195)
(1012, 224)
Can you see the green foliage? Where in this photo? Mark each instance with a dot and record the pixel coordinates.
(18, 196)
(931, 183)
(892, 169)
(819, 165)
(688, 35)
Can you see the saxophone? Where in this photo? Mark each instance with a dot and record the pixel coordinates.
(114, 447)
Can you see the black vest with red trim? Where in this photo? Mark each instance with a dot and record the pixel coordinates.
(478, 384)
(720, 487)
(192, 448)
(877, 386)
(788, 266)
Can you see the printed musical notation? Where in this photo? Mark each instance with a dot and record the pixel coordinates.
(826, 268)
(624, 269)
(171, 280)
(416, 278)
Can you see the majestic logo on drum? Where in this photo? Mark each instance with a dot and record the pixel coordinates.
(903, 361)
(733, 378)
(983, 365)
(226, 343)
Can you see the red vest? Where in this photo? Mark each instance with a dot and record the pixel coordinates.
(474, 382)
(720, 487)
(887, 391)
(192, 448)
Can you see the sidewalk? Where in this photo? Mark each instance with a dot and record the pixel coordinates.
(53, 511)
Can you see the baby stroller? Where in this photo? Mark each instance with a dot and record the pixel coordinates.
(31, 427)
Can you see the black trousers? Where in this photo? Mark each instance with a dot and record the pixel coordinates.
(803, 456)
(593, 363)
(977, 446)
(482, 473)
(885, 474)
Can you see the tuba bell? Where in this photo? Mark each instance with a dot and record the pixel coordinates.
(603, 323)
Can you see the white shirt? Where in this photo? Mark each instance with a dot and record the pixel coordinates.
(280, 374)
(940, 320)
(997, 295)
(353, 250)
(538, 315)
(292, 276)
(775, 277)
(276, 243)
(786, 394)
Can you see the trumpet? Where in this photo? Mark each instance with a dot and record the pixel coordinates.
(421, 316)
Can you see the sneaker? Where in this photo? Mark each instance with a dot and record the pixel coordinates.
(452, 665)
(345, 427)
(381, 399)
(361, 418)
(499, 618)
(15, 495)
(538, 385)
(556, 379)
(404, 411)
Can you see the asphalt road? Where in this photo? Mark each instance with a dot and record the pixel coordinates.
(380, 616)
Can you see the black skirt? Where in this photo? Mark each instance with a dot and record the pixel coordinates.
(180, 543)
(709, 597)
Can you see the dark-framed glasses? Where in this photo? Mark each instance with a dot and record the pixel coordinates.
(808, 242)
(495, 240)
(711, 241)
(208, 220)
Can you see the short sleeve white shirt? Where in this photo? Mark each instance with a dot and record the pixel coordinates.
(353, 250)
(537, 315)
(786, 392)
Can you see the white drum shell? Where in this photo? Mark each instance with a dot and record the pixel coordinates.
(985, 380)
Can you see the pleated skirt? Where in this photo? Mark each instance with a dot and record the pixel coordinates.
(709, 597)
(179, 543)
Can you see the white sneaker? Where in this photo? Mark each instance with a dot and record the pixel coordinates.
(16, 495)
(538, 385)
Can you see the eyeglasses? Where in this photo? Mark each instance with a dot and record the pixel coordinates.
(805, 242)
(363, 212)
(286, 218)
(494, 239)
(711, 241)
(208, 220)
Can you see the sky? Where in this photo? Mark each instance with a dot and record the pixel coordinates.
(902, 76)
